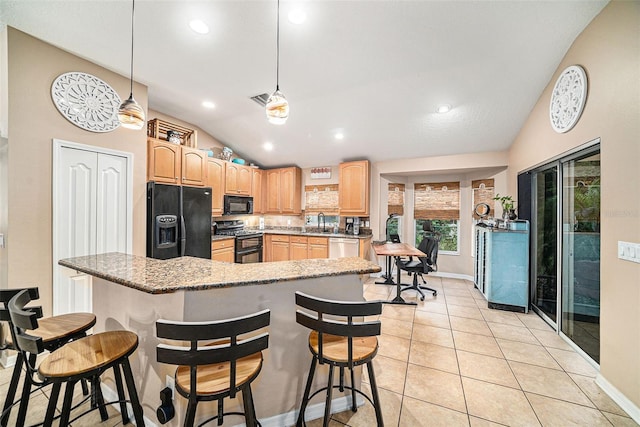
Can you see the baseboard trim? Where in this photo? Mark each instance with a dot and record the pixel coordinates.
(6, 360)
(287, 419)
(452, 275)
(627, 405)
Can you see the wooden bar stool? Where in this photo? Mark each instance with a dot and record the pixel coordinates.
(84, 358)
(340, 343)
(55, 332)
(219, 369)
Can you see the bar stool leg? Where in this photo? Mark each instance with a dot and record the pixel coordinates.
(51, 407)
(11, 392)
(307, 390)
(133, 394)
(354, 407)
(121, 396)
(95, 383)
(327, 406)
(374, 393)
(191, 411)
(247, 401)
(26, 392)
(66, 405)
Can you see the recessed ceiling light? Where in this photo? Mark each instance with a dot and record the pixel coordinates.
(444, 108)
(339, 136)
(267, 146)
(297, 16)
(198, 26)
(208, 104)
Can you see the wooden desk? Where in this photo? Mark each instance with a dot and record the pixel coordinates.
(398, 250)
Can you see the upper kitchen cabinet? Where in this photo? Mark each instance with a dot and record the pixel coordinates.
(237, 179)
(163, 161)
(256, 190)
(171, 163)
(284, 191)
(353, 190)
(194, 167)
(215, 180)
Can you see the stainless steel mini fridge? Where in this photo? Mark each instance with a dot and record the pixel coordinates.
(178, 221)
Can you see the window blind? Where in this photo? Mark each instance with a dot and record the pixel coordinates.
(483, 192)
(321, 198)
(395, 199)
(437, 200)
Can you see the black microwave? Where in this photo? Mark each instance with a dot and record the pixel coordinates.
(238, 205)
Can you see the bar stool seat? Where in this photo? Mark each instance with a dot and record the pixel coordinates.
(215, 379)
(55, 331)
(336, 349)
(84, 358)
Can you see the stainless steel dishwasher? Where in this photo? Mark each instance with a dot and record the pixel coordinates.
(343, 247)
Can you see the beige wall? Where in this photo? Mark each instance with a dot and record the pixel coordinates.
(463, 168)
(609, 51)
(33, 121)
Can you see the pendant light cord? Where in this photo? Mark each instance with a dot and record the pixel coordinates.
(133, 10)
(277, 49)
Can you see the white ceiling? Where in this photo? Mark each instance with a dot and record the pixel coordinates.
(374, 70)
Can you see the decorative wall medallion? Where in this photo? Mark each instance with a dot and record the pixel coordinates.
(568, 99)
(86, 101)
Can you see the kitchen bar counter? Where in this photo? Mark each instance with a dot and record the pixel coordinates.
(132, 292)
(156, 276)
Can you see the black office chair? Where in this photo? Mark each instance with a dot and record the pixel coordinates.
(423, 265)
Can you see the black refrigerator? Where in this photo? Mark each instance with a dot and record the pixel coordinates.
(178, 221)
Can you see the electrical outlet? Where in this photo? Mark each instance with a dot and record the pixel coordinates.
(171, 383)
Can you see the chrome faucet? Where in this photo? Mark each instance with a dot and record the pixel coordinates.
(324, 223)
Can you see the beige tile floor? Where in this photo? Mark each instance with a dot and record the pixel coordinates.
(450, 361)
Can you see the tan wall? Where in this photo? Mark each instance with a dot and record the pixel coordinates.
(609, 51)
(463, 168)
(33, 122)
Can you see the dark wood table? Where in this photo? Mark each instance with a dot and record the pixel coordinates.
(398, 250)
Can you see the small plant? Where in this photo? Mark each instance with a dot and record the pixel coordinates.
(507, 202)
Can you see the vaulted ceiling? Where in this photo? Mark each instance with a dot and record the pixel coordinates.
(375, 71)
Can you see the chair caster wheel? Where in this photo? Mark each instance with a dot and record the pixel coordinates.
(435, 293)
(421, 298)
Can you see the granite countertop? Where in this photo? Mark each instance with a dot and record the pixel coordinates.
(156, 276)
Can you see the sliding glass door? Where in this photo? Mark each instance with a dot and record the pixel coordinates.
(565, 255)
(545, 233)
(581, 253)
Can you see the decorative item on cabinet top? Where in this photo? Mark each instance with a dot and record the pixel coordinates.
(162, 129)
(321, 173)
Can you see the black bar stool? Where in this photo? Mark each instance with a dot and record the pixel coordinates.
(84, 358)
(220, 369)
(342, 344)
(55, 332)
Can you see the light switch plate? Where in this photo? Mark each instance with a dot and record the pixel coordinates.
(629, 251)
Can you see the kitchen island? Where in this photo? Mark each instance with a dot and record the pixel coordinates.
(132, 292)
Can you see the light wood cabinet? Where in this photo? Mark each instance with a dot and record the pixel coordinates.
(194, 167)
(163, 161)
(277, 247)
(215, 180)
(237, 179)
(223, 250)
(353, 190)
(284, 191)
(364, 248)
(318, 247)
(175, 164)
(256, 190)
(298, 247)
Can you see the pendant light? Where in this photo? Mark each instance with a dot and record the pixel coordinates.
(277, 107)
(131, 114)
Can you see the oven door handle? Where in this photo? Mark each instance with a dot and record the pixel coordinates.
(249, 251)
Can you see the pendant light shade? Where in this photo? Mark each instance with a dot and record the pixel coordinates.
(277, 107)
(130, 113)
